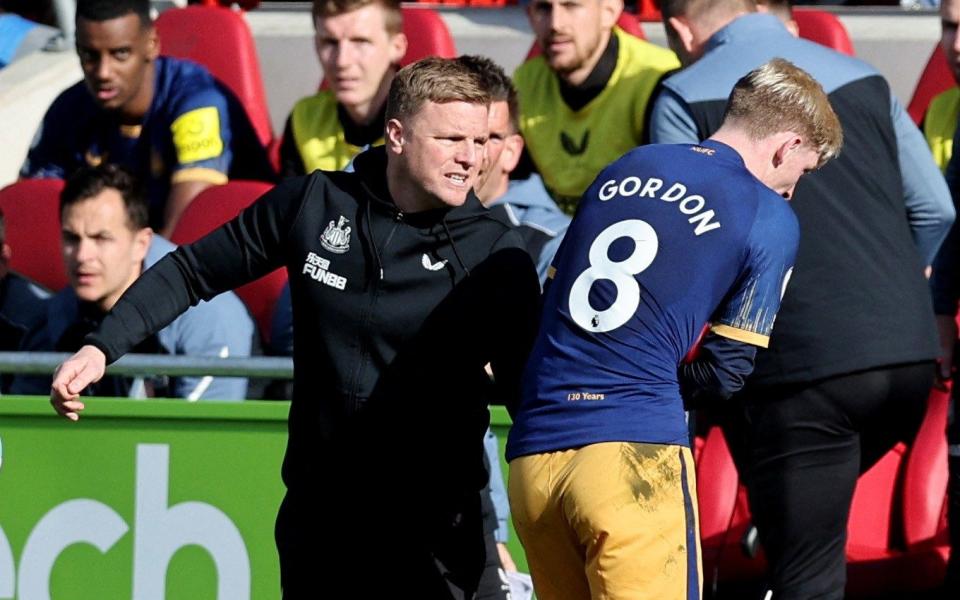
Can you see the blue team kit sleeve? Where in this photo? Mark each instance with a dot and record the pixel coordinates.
(201, 134)
(750, 310)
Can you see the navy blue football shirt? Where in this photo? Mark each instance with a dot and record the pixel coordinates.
(194, 130)
(666, 239)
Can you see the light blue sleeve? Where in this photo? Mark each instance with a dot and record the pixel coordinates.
(498, 491)
(221, 327)
(930, 209)
(671, 121)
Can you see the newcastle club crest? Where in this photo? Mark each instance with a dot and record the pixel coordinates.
(336, 238)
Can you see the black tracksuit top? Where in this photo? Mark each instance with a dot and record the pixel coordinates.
(396, 315)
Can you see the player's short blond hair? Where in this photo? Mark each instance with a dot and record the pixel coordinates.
(779, 96)
(392, 16)
(434, 79)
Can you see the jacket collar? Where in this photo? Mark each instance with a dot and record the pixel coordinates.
(371, 168)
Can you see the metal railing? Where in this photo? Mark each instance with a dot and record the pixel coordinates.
(140, 365)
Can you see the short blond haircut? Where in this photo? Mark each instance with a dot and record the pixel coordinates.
(779, 96)
(434, 79)
(392, 16)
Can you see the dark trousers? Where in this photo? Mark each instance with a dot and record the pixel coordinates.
(365, 548)
(800, 449)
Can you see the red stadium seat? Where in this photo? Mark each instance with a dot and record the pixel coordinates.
(647, 11)
(724, 515)
(219, 39)
(879, 562)
(873, 529)
(924, 497)
(925, 479)
(627, 22)
(31, 209)
(427, 35)
(244, 4)
(824, 28)
(897, 539)
(936, 78)
(215, 206)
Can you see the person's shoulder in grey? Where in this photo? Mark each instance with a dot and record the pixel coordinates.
(743, 44)
(528, 205)
(693, 101)
(221, 327)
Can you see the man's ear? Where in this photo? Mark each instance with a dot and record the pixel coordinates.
(609, 12)
(511, 153)
(793, 27)
(398, 48)
(683, 32)
(786, 146)
(394, 138)
(153, 44)
(5, 252)
(141, 243)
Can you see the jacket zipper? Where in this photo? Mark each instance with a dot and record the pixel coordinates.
(368, 315)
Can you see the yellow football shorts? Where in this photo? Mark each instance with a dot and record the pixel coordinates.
(615, 520)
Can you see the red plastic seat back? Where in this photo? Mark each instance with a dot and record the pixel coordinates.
(219, 39)
(627, 22)
(925, 478)
(215, 206)
(936, 78)
(724, 514)
(244, 4)
(874, 520)
(717, 486)
(648, 11)
(427, 35)
(31, 210)
(823, 28)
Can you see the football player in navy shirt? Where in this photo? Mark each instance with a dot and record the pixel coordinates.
(166, 120)
(667, 239)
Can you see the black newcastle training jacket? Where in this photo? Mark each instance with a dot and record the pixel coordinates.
(396, 315)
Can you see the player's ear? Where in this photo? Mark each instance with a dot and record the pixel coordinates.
(394, 139)
(153, 44)
(512, 150)
(682, 33)
(398, 48)
(789, 143)
(609, 12)
(141, 243)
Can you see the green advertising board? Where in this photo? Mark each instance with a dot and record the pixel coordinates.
(149, 500)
